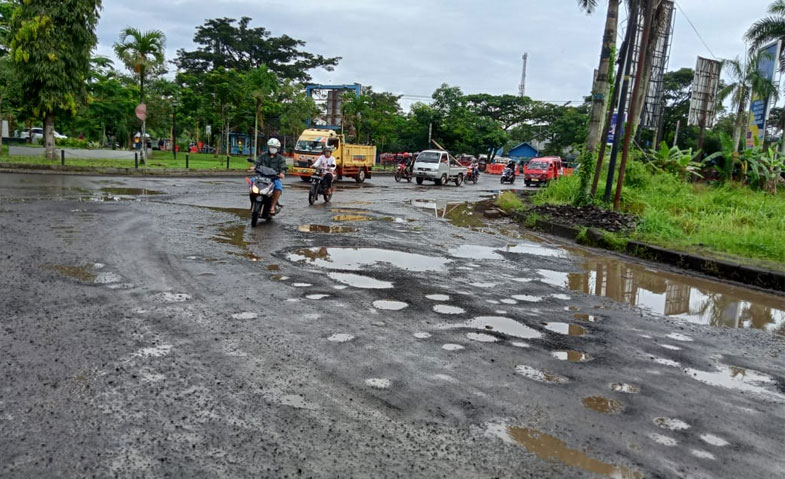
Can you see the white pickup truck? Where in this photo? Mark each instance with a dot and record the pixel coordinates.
(439, 167)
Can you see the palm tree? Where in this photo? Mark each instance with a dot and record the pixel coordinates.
(769, 28)
(602, 86)
(747, 81)
(261, 84)
(143, 54)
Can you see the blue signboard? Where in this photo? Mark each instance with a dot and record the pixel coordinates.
(759, 108)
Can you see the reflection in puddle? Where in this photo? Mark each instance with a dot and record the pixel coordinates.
(459, 214)
(685, 297)
(82, 273)
(741, 379)
(452, 347)
(240, 212)
(422, 335)
(273, 267)
(603, 404)
(714, 440)
(586, 317)
(358, 281)
(571, 356)
(340, 338)
(664, 440)
(388, 305)
(550, 448)
(469, 251)
(566, 329)
(355, 259)
(378, 383)
(625, 388)
(326, 229)
(498, 324)
(447, 309)
(438, 297)
(317, 296)
(131, 191)
(482, 337)
(351, 218)
(527, 298)
(671, 424)
(540, 375)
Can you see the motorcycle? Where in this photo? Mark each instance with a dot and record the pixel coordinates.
(318, 188)
(261, 188)
(474, 174)
(508, 176)
(403, 173)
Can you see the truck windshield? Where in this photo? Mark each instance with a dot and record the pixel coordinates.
(537, 165)
(310, 146)
(428, 157)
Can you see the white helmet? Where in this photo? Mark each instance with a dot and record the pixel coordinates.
(274, 143)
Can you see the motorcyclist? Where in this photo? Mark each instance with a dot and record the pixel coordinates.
(273, 159)
(512, 165)
(475, 168)
(327, 162)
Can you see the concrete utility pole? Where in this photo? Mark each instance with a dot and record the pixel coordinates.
(522, 87)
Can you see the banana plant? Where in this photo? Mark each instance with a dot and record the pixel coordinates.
(682, 163)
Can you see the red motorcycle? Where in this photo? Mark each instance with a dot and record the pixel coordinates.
(403, 173)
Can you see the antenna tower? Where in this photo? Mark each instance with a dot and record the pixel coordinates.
(522, 87)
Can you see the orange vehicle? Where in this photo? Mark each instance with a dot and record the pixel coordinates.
(543, 170)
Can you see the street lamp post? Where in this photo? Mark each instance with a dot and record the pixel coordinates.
(174, 129)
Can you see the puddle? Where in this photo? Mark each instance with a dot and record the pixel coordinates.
(586, 317)
(154, 352)
(527, 298)
(562, 297)
(670, 347)
(740, 379)
(317, 297)
(437, 297)
(388, 305)
(468, 251)
(378, 383)
(520, 344)
(422, 335)
(625, 388)
(326, 229)
(671, 424)
(358, 281)
(351, 218)
(540, 375)
(278, 277)
(664, 440)
(692, 299)
(340, 338)
(666, 362)
(571, 356)
(447, 309)
(498, 324)
(131, 191)
(566, 329)
(302, 285)
(482, 337)
(484, 285)
(702, 454)
(680, 337)
(234, 235)
(84, 273)
(459, 214)
(245, 316)
(356, 259)
(714, 440)
(550, 448)
(452, 347)
(240, 212)
(603, 405)
(273, 267)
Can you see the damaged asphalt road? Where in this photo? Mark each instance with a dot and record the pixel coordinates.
(148, 330)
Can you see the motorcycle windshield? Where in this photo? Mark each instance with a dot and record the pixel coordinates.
(265, 171)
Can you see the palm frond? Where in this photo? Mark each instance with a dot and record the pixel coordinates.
(765, 30)
(777, 7)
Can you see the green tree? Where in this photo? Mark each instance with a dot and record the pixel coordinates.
(233, 45)
(51, 45)
(295, 108)
(602, 84)
(768, 29)
(677, 86)
(747, 80)
(143, 54)
(261, 84)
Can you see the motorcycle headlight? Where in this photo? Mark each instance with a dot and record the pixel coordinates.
(255, 189)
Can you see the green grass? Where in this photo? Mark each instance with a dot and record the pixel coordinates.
(509, 202)
(158, 160)
(731, 221)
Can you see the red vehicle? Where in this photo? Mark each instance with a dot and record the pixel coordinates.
(543, 170)
(403, 172)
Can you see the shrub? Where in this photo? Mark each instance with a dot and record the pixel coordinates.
(509, 202)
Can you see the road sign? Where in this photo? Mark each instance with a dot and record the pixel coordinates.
(141, 111)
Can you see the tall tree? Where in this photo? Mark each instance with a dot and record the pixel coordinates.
(261, 84)
(747, 80)
(234, 45)
(602, 85)
(768, 29)
(143, 54)
(51, 45)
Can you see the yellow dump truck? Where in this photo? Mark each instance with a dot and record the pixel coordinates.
(354, 161)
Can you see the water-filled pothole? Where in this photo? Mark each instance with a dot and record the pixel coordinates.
(356, 259)
(498, 324)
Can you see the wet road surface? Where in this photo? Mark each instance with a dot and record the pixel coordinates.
(148, 330)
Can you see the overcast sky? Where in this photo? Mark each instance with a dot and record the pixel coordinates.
(411, 47)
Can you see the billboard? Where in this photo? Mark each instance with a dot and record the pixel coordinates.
(759, 108)
(703, 101)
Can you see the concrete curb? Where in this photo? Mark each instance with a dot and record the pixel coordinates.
(111, 171)
(716, 268)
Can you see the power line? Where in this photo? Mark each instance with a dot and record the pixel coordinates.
(695, 30)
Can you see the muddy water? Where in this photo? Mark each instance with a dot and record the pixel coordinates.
(684, 297)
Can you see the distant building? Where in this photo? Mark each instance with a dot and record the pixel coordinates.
(524, 150)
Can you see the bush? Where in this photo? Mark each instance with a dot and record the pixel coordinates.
(72, 143)
(509, 202)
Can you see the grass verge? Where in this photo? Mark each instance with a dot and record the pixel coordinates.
(158, 160)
